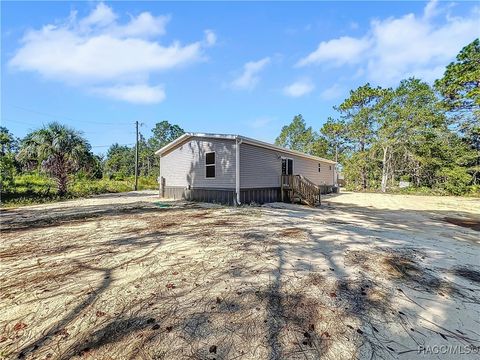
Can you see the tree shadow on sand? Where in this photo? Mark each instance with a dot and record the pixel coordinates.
(301, 311)
(93, 295)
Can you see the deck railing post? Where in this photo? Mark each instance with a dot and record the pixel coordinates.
(162, 187)
(292, 187)
(281, 188)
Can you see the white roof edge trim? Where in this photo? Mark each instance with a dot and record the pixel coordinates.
(244, 139)
(188, 135)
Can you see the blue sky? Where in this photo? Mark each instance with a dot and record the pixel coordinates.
(241, 67)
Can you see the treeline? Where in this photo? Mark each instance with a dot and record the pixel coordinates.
(119, 161)
(63, 155)
(426, 135)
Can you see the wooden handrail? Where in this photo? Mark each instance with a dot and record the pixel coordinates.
(299, 185)
(309, 182)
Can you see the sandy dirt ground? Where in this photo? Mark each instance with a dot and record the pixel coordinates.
(124, 276)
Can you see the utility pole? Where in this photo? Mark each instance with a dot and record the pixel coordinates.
(136, 158)
(335, 175)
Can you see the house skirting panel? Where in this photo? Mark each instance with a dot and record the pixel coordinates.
(227, 196)
(221, 196)
(260, 195)
(328, 189)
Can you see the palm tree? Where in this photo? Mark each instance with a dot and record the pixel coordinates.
(58, 149)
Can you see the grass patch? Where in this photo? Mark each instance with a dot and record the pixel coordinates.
(469, 191)
(33, 189)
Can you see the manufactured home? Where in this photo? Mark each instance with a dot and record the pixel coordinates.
(236, 169)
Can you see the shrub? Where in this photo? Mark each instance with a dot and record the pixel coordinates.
(455, 180)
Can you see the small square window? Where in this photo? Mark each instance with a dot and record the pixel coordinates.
(210, 158)
(330, 167)
(210, 165)
(319, 167)
(210, 171)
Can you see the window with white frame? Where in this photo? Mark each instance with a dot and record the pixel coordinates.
(210, 165)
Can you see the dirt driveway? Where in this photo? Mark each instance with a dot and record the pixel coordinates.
(125, 277)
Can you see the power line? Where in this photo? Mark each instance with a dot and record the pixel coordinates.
(65, 117)
(136, 157)
(8, 121)
(19, 122)
(89, 132)
(98, 146)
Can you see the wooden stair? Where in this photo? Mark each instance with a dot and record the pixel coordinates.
(300, 189)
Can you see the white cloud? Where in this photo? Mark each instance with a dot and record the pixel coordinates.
(249, 77)
(102, 15)
(344, 50)
(210, 38)
(299, 88)
(137, 94)
(431, 9)
(144, 24)
(99, 52)
(62, 55)
(333, 92)
(397, 47)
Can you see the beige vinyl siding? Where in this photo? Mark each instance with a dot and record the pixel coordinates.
(309, 169)
(185, 165)
(261, 167)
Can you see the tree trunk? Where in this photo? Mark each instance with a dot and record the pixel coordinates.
(58, 168)
(364, 170)
(62, 183)
(384, 169)
(391, 169)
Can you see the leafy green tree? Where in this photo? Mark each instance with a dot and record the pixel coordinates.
(8, 163)
(8, 142)
(319, 147)
(57, 150)
(460, 88)
(297, 136)
(164, 133)
(423, 126)
(147, 158)
(448, 156)
(408, 119)
(119, 162)
(460, 85)
(334, 134)
(95, 170)
(407, 132)
(388, 133)
(358, 112)
(356, 165)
